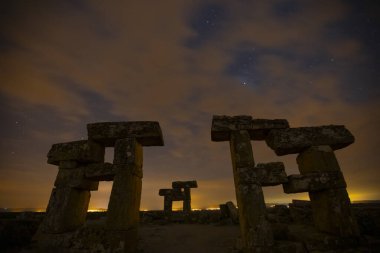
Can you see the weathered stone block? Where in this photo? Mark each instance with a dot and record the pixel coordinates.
(66, 210)
(241, 149)
(232, 211)
(296, 140)
(312, 182)
(148, 133)
(185, 184)
(255, 229)
(270, 174)
(128, 152)
(164, 192)
(124, 203)
(331, 208)
(75, 178)
(79, 151)
(100, 171)
(332, 212)
(257, 128)
(316, 159)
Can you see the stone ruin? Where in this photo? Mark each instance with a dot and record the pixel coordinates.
(320, 175)
(180, 192)
(81, 167)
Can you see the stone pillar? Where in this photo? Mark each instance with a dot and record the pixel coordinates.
(168, 204)
(331, 207)
(255, 229)
(70, 197)
(168, 200)
(186, 200)
(124, 204)
(239, 131)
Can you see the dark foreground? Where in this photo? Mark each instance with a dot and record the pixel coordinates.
(203, 231)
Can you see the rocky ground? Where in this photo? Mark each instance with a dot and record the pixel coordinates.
(202, 231)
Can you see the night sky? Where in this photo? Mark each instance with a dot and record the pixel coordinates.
(67, 63)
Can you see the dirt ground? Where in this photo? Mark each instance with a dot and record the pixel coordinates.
(186, 238)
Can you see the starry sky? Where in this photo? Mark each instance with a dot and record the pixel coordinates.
(67, 63)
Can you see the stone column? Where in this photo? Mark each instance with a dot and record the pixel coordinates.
(331, 207)
(186, 200)
(255, 229)
(70, 197)
(168, 199)
(124, 204)
(239, 131)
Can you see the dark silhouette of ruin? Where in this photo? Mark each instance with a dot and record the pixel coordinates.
(320, 174)
(180, 192)
(81, 167)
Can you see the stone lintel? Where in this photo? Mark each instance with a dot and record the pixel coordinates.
(148, 133)
(185, 184)
(271, 174)
(313, 182)
(79, 151)
(165, 192)
(75, 178)
(257, 128)
(295, 140)
(100, 171)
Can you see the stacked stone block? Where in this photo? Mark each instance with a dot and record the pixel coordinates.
(70, 196)
(180, 192)
(257, 235)
(320, 174)
(81, 167)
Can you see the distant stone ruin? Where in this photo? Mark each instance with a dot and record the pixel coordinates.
(81, 167)
(180, 192)
(320, 174)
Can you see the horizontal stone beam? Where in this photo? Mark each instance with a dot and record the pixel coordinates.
(295, 140)
(257, 128)
(75, 178)
(271, 174)
(147, 133)
(165, 192)
(175, 194)
(77, 151)
(313, 182)
(100, 171)
(185, 184)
